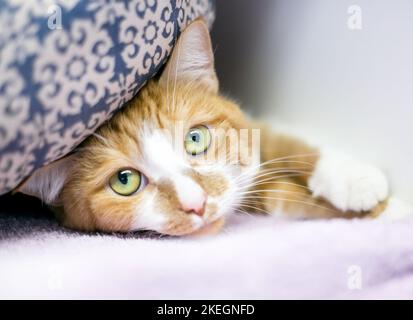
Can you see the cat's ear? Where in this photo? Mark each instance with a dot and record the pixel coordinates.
(192, 58)
(47, 182)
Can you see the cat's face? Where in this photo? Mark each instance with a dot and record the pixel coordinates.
(171, 170)
(173, 161)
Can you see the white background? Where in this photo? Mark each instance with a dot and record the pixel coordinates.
(350, 89)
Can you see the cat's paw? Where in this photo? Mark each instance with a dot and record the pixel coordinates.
(348, 184)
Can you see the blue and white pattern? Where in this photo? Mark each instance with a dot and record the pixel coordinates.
(67, 65)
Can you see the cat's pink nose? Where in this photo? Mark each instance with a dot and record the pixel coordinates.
(195, 204)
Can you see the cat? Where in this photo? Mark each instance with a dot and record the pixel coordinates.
(135, 174)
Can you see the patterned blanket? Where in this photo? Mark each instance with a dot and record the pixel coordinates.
(67, 65)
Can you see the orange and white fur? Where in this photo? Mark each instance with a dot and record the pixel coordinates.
(180, 193)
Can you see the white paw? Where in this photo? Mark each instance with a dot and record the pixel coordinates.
(347, 183)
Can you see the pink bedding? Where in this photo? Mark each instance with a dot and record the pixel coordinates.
(253, 258)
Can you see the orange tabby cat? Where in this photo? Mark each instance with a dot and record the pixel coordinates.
(167, 162)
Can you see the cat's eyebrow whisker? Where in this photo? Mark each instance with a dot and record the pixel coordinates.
(167, 90)
(87, 148)
(175, 79)
(102, 139)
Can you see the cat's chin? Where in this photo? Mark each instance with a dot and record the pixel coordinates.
(209, 229)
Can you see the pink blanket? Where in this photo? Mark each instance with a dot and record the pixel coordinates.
(253, 258)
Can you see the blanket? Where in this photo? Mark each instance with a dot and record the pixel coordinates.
(254, 257)
(66, 66)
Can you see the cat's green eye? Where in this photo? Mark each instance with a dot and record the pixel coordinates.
(197, 140)
(126, 182)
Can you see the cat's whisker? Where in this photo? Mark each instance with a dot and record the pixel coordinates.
(175, 79)
(272, 190)
(270, 181)
(167, 94)
(272, 172)
(93, 148)
(251, 202)
(283, 170)
(295, 201)
(299, 155)
(286, 161)
(264, 171)
(248, 174)
(102, 139)
(280, 160)
(274, 162)
(225, 230)
(287, 158)
(256, 208)
(258, 194)
(240, 210)
(273, 180)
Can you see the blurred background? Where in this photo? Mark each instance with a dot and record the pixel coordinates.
(339, 73)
